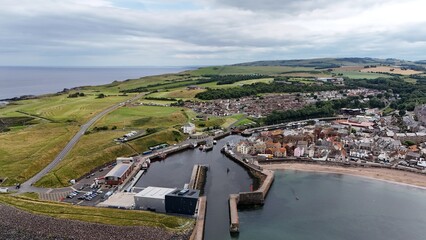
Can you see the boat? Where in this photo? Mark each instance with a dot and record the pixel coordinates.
(194, 144)
(201, 147)
(208, 146)
(214, 142)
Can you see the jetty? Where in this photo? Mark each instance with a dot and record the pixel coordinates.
(253, 198)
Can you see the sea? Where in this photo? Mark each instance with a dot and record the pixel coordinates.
(300, 205)
(19, 81)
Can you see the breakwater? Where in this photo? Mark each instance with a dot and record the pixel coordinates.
(256, 197)
(198, 232)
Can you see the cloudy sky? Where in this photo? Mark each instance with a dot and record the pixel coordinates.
(206, 32)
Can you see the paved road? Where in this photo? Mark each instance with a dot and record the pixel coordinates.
(27, 186)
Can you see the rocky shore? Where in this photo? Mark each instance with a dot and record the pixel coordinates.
(19, 225)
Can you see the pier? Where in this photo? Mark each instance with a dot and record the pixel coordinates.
(256, 197)
(198, 233)
(234, 226)
(198, 177)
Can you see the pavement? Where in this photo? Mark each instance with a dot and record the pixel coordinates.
(27, 186)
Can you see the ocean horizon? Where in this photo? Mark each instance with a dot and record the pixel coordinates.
(16, 81)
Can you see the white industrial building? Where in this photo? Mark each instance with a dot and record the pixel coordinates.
(152, 198)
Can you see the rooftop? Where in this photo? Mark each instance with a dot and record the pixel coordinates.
(188, 193)
(155, 192)
(118, 170)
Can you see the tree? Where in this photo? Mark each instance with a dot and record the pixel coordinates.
(402, 112)
(101, 95)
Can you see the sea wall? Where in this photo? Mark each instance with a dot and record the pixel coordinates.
(198, 232)
(257, 197)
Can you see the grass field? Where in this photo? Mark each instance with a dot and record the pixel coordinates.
(61, 108)
(91, 151)
(170, 136)
(359, 75)
(99, 215)
(145, 117)
(180, 93)
(98, 148)
(393, 70)
(265, 70)
(236, 84)
(25, 152)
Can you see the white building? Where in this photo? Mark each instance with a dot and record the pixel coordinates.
(152, 198)
(243, 148)
(189, 128)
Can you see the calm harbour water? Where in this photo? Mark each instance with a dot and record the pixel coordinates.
(300, 205)
(18, 81)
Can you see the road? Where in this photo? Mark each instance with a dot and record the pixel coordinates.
(27, 186)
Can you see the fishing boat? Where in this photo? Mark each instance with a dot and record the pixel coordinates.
(208, 146)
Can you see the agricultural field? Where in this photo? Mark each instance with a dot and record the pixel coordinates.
(358, 74)
(264, 70)
(99, 215)
(180, 93)
(236, 84)
(390, 70)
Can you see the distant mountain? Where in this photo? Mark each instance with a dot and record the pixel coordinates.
(337, 62)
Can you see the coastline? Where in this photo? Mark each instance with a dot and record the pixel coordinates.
(381, 174)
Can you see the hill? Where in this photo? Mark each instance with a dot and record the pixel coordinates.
(321, 63)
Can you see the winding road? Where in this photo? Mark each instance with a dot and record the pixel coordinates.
(27, 186)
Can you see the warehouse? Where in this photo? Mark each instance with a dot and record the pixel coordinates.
(182, 201)
(152, 198)
(118, 174)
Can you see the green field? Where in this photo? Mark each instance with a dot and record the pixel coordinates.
(99, 215)
(360, 75)
(61, 108)
(98, 148)
(236, 84)
(265, 70)
(180, 93)
(25, 152)
(145, 117)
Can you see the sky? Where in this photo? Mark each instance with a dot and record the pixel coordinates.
(206, 32)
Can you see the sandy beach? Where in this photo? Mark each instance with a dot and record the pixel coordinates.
(389, 175)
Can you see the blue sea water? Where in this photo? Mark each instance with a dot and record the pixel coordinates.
(18, 81)
(321, 206)
(300, 205)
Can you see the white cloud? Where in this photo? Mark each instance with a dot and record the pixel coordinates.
(166, 32)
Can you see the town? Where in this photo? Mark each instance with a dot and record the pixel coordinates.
(260, 106)
(392, 141)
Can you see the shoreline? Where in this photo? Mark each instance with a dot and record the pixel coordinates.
(387, 175)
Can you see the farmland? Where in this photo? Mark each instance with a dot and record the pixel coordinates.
(390, 70)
